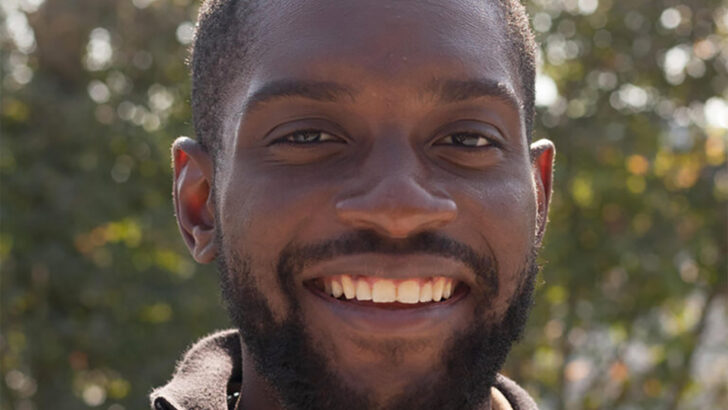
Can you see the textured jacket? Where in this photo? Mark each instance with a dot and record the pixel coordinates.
(209, 377)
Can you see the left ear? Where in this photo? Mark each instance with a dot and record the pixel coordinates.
(542, 162)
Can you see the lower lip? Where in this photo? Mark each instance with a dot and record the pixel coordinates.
(390, 318)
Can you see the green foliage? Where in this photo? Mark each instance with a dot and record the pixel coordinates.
(99, 295)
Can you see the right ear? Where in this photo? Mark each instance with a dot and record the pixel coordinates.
(193, 202)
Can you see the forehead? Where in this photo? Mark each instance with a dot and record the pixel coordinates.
(390, 50)
(381, 40)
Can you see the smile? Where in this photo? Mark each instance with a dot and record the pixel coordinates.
(389, 295)
(380, 291)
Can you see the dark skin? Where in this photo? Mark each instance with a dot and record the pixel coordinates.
(384, 117)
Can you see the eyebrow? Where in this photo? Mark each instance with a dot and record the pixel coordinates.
(325, 91)
(444, 90)
(455, 90)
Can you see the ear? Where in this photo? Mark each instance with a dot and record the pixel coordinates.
(193, 202)
(542, 162)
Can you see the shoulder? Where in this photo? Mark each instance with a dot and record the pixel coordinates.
(518, 398)
(201, 377)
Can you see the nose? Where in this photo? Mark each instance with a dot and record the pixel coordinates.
(396, 205)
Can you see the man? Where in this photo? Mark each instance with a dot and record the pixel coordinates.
(365, 178)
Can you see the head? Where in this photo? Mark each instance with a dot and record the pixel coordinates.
(365, 178)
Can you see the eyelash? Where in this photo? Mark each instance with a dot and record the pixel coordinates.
(458, 136)
(453, 137)
(289, 138)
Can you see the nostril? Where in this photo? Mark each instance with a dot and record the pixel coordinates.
(397, 215)
(409, 224)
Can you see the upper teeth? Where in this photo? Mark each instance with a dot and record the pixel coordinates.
(380, 290)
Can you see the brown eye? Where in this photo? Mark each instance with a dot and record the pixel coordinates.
(309, 137)
(465, 139)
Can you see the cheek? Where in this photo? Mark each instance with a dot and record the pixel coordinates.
(247, 223)
(260, 215)
(504, 211)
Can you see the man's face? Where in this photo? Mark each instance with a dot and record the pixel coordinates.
(376, 152)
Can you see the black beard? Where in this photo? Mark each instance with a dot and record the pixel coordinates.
(285, 356)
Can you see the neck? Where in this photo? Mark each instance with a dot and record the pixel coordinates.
(256, 392)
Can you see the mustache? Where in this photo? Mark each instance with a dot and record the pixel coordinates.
(295, 258)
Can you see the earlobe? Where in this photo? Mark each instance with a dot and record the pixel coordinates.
(542, 161)
(193, 202)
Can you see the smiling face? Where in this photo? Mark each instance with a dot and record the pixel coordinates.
(376, 205)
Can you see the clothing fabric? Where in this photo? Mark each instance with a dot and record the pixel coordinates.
(209, 377)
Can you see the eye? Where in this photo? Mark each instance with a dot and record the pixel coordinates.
(308, 137)
(465, 139)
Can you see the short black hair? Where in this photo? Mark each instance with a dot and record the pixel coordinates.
(225, 29)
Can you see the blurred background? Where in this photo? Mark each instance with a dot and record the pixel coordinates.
(99, 296)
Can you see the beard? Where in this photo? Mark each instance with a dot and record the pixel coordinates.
(285, 355)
